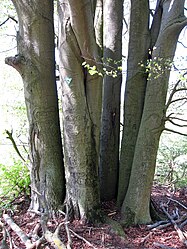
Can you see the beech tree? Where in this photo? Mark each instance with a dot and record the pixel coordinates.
(35, 62)
(90, 33)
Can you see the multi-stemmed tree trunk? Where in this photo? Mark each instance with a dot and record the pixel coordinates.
(81, 101)
(109, 140)
(145, 97)
(170, 20)
(36, 64)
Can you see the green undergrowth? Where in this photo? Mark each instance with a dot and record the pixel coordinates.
(14, 182)
(171, 167)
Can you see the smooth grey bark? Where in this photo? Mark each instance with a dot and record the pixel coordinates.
(136, 206)
(109, 140)
(81, 101)
(36, 64)
(139, 43)
(98, 24)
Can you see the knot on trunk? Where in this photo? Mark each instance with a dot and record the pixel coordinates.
(16, 62)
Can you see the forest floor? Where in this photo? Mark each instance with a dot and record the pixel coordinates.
(103, 236)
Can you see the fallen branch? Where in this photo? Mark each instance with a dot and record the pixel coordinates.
(49, 236)
(162, 246)
(183, 224)
(178, 203)
(157, 224)
(181, 235)
(24, 238)
(162, 226)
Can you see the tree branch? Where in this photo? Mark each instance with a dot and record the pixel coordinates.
(174, 91)
(178, 203)
(182, 44)
(172, 122)
(8, 18)
(179, 99)
(1, 24)
(16, 62)
(162, 246)
(173, 131)
(9, 134)
(180, 119)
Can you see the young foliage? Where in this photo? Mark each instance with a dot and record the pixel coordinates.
(106, 67)
(157, 66)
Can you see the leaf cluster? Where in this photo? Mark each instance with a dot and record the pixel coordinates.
(108, 67)
(156, 67)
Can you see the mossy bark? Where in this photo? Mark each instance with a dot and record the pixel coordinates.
(81, 101)
(36, 64)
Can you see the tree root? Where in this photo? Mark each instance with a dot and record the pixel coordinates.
(47, 235)
(116, 227)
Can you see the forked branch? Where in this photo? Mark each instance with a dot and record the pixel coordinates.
(174, 91)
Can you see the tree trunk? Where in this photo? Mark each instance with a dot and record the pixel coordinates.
(135, 209)
(139, 42)
(109, 141)
(81, 101)
(36, 65)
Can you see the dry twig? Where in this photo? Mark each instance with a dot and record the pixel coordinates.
(75, 234)
(82, 238)
(162, 246)
(178, 203)
(181, 235)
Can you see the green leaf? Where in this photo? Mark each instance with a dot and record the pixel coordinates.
(92, 72)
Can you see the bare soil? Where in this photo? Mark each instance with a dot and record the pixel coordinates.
(103, 236)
